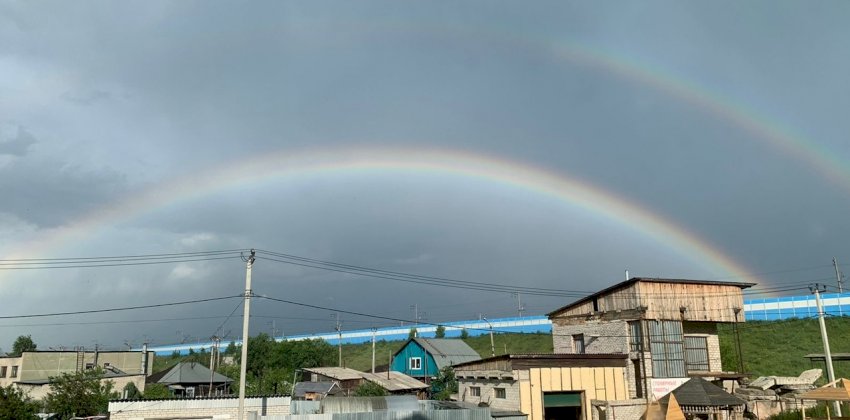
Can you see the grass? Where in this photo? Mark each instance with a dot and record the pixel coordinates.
(777, 347)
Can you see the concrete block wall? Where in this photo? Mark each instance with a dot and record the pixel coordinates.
(511, 401)
(217, 408)
(599, 336)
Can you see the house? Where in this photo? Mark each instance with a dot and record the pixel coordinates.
(424, 357)
(32, 370)
(190, 379)
(543, 386)
(666, 327)
(395, 383)
(314, 391)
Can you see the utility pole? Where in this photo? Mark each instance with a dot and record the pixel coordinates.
(816, 289)
(519, 308)
(374, 332)
(492, 343)
(339, 338)
(243, 366)
(838, 277)
(213, 361)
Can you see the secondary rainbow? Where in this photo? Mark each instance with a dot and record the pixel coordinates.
(286, 166)
(830, 164)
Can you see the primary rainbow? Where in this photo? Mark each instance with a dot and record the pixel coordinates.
(284, 165)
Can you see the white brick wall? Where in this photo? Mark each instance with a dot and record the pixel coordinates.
(218, 408)
(488, 393)
(599, 336)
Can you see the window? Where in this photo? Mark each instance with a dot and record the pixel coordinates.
(475, 391)
(14, 372)
(500, 393)
(635, 336)
(89, 366)
(415, 363)
(696, 353)
(578, 343)
(190, 392)
(667, 348)
(2, 371)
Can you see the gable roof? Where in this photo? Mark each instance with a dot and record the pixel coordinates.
(634, 280)
(324, 388)
(699, 392)
(445, 351)
(187, 373)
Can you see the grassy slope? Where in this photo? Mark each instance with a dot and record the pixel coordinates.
(778, 347)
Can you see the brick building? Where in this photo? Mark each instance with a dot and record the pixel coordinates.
(666, 327)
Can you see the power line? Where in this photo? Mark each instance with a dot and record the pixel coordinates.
(124, 257)
(116, 264)
(126, 308)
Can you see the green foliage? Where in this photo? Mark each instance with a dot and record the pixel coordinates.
(79, 394)
(444, 384)
(440, 332)
(464, 334)
(157, 391)
(370, 389)
(22, 343)
(15, 405)
(412, 333)
(231, 349)
(130, 391)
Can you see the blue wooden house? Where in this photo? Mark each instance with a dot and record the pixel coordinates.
(424, 357)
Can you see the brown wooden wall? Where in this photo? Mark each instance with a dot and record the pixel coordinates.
(703, 302)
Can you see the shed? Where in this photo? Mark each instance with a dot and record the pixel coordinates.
(424, 357)
(699, 397)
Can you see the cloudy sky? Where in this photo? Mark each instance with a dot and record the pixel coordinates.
(536, 145)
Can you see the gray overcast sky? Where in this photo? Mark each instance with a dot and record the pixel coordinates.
(125, 129)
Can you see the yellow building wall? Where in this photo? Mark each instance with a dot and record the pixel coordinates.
(601, 383)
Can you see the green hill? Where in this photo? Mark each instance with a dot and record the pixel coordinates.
(768, 347)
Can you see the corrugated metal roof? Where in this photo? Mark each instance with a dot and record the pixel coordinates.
(338, 373)
(187, 373)
(397, 381)
(448, 351)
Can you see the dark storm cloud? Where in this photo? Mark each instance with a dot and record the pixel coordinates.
(19, 144)
(132, 95)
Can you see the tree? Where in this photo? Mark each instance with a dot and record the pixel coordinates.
(445, 384)
(22, 343)
(412, 333)
(440, 332)
(79, 394)
(370, 389)
(130, 392)
(464, 334)
(15, 405)
(157, 391)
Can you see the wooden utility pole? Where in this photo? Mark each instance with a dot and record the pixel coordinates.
(492, 343)
(374, 332)
(838, 277)
(339, 338)
(246, 316)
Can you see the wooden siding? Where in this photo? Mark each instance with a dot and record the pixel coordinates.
(600, 383)
(702, 302)
(663, 300)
